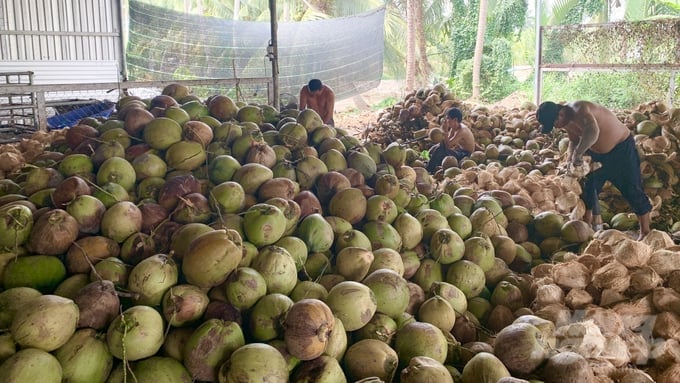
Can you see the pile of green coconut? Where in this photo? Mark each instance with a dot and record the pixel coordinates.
(207, 240)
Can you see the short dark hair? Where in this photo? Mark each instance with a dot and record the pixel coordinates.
(314, 85)
(547, 114)
(454, 114)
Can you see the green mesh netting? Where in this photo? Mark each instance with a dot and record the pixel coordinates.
(345, 53)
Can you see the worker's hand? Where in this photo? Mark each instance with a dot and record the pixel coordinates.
(577, 161)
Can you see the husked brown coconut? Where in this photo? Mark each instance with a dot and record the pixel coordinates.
(571, 275)
(577, 299)
(632, 253)
(657, 240)
(664, 262)
(613, 275)
(643, 280)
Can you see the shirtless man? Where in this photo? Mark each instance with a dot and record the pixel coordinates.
(594, 130)
(460, 142)
(319, 97)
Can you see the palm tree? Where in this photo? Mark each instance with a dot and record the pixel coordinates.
(479, 49)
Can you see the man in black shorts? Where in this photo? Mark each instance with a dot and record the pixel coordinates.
(594, 130)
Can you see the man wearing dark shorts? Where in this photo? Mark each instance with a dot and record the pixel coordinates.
(459, 141)
(594, 130)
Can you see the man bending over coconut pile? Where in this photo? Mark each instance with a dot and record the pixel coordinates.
(594, 130)
(319, 97)
(459, 141)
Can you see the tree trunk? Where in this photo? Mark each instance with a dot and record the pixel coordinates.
(479, 50)
(424, 63)
(237, 9)
(410, 45)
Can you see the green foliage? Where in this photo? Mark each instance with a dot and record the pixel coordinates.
(614, 90)
(497, 81)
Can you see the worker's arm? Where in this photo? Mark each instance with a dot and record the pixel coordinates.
(591, 132)
(330, 105)
(303, 98)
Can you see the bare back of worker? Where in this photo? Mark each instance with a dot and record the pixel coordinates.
(591, 127)
(319, 97)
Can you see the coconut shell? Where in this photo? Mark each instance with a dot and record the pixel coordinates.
(308, 326)
(98, 304)
(53, 233)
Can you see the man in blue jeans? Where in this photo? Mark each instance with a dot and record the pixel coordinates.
(459, 141)
(594, 130)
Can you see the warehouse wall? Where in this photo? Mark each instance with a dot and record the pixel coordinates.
(62, 42)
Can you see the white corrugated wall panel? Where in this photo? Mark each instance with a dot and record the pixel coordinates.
(60, 32)
(66, 72)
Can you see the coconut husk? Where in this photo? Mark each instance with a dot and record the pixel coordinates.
(557, 313)
(542, 271)
(669, 375)
(596, 247)
(632, 253)
(601, 367)
(577, 299)
(657, 240)
(591, 261)
(610, 297)
(607, 320)
(644, 280)
(665, 352)
(636, 313)
(667, 325)
(666, 299)
(673, 280)
(571, 275)
(570, 257)
(611, 237)
(637, 346)
(548, 294)
(583, 338)
(615, 351)
(613, 276)
(664, 261)
(631, 375)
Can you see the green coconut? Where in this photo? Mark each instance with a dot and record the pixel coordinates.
(467, 276)
(277, 267)
(255, 362)
(211, 257)
(31, 365)
(420, 339)
(136, 333)
(209, 346)
(47, 323)
(265, 321)
(85, 358)
(425, 369)
(353, 302)
(370, 358)
(391, 291)
(484, 367)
